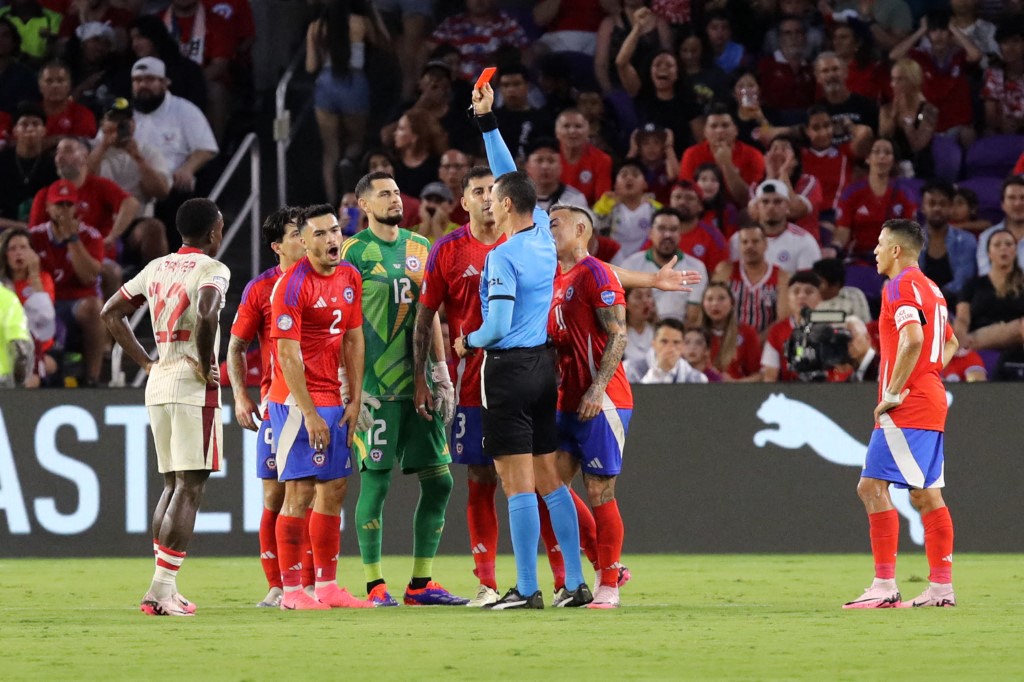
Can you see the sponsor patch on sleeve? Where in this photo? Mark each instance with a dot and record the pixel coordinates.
(608, 297)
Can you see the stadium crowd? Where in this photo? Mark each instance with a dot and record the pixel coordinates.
(761, 143)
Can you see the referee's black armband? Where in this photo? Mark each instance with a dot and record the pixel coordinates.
(487, 122)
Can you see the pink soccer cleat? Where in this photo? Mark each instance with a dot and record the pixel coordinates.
(934, 595)
(624, 576)
(340, 598)
(185, 603)
(151, 606)
(879, 596)
(606, 597)
(298, 600)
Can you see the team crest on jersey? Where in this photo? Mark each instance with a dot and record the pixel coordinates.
(698, 250)
(569, 293)
(412, 263)
(285, 322)
(897, 210)
(349, 294)
(220, 282)
(376, 454)
(586, 176)
(608, 297)
(458, 448)
(783, 256)
(319, 459)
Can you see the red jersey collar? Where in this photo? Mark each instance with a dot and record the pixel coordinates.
(189, 249)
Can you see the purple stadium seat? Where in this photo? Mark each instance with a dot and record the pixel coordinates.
(913, 187)
(948, 155)
(993, 156)
(988, 190)
(866, 278)
(991, 358)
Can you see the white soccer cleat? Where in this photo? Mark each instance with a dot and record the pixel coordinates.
(272, 600)
(152, 606)
(881, 595)
(934, 595)
(606, 597)
(485, 596)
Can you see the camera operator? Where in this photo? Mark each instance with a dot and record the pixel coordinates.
(803, 294)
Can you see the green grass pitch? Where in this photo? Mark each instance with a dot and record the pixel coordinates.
(684, 617)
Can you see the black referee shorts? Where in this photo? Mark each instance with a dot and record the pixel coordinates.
(520, 396)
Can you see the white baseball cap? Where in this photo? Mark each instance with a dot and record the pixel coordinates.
(772, 187)
(149, 66)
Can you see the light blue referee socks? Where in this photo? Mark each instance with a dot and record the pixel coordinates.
(524, 524)
(567, 531)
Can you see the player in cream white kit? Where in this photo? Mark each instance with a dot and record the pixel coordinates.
(185, 293)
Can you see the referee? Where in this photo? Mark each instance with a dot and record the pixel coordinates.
(518, 383)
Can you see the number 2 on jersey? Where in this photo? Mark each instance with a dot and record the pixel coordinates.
(403, 290)
(161, 299)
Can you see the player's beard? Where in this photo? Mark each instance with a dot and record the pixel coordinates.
(392, 220)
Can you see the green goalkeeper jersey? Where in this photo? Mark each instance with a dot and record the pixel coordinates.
(392, 275)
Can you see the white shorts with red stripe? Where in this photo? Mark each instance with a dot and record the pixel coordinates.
(188, 437)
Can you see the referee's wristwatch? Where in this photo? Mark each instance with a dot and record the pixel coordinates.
(466, 344)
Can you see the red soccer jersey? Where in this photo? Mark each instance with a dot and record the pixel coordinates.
(316, 311)
(99, 200)
(912, 298)
(592, 174)
(755, 301)
(946, 86)
(832, 167)
(705, 243)
(54, 259)
(747, 359)
(963, 361)
(75, 121)
(453, 278)
(748, 160)
(5, 129)
(579, 337)
(863, 212)
(1018, 168)
(252, 321)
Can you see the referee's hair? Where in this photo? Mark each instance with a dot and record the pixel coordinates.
(365, 183)
(196, 217)
(473, 173)
(576, 211)
(274, 226)
(314, 211)
(907, 232)
(518, 187)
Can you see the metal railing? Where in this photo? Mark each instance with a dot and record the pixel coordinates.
(284, 129)
(250, 148)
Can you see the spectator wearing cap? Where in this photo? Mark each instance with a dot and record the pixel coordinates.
(98, 12)
(336, 45)
(866, 204)
(177, 129)
(544, 166)
(18, 82)
(94, 65)
(519, 121)
(697, 238)
(944, 61)
(435, 211)
(37, 26)
(25, 167)
(835, 295)
(102, 204)
(786, 77)
(453, 167)
(741, 164)
(72, 252)
(755, 283)
(887, 21)
(654, 147)
(625, 213)
(477, 34)
(149, 37)
(783, 161)
(584, 166)
(660, 93)
(666, 227)
(847, 109)
(790, 246)
(64, 116)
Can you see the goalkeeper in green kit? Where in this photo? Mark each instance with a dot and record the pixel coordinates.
(391, 428)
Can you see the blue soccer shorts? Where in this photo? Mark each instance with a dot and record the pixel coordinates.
(266, 461)
(907, 458)
(468, 438)
(295, 458)
(597, 443)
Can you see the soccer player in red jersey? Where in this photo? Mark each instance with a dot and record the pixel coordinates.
(906, 446)
(252, 321)
(317, 317)
(588, 327)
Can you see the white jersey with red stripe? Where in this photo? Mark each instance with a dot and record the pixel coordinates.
(755, 301)
(170, 285)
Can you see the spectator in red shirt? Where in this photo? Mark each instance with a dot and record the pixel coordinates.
(944, 61)
(64, 116)
(735, 349)
(786, 78)
(71, 252)
(868, 203)
(741, 164)
(699, 239)
(99, 11)
(866, 74)
(1003, 91)
(832, 165)
(584, 166)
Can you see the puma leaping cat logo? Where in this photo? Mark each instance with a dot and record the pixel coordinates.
(799, 424)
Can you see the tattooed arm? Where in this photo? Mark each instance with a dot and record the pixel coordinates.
(421, 343)
(613, 320)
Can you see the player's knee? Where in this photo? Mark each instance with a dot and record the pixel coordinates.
(479, 473)
(926, 501)
(273, 496)
(600, 489)
(437, 480)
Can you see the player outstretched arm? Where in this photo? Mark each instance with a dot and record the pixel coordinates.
(245, 408)
(499, 158)
(908, 350)
(613, 321)
(665, 279)
(115, 316)
(353, 349)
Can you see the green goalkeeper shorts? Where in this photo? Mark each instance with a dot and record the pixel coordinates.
(399, 434)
